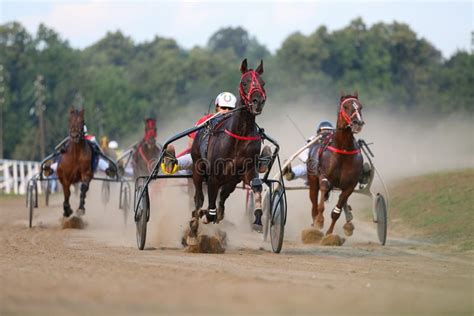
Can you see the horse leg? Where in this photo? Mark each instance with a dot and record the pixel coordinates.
(67, 211)
(257, 186)
(212, 190)
(226, 190)
(348, 226)
(336, 212)
(324, 186)
(313, 182)
(191, 239)
(84, 188)
(198, 195)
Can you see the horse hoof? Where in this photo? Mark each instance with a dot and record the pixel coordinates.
(191, 241)
(257, 228)
(80, 212)
(348, 229)
(318, 224)
(207, 218)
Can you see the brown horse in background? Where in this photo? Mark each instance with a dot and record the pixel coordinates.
(75, 165)
(232, 153)
(146, 151)
(340, 164)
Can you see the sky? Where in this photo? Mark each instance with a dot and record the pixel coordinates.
(448, 25)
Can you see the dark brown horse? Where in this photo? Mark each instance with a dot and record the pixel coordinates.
(146, 151)
(340, 164)
(75, 165)
(232, 153)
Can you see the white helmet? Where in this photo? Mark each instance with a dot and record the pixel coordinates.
(226, 100)
(113, 144)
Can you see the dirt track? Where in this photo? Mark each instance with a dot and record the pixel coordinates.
(47, 270)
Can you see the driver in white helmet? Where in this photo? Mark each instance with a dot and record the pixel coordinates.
(324, 129)
(224, 102)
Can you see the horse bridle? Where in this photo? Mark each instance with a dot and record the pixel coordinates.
(151, 132)
(255, 86)
(345, 116)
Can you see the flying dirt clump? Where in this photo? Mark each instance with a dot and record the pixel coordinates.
(332, 240)
(74, 222)
(311, 236)
(209, 240)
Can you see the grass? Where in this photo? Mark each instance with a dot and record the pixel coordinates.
(437, 206)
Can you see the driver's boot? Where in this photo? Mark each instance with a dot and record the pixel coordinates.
(169, 165)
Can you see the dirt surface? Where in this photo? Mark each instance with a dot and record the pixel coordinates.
(98, 270)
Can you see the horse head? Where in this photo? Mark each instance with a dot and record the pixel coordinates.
(350, 113)
(149, 137)
(251, 88)
(76, 124)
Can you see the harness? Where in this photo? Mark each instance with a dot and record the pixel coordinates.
(147, 161)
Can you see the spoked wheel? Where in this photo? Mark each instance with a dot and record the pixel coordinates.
(31, 202)
(277, 221)
(105, 192)
(141, 215)
(249, 208)
(381, 211)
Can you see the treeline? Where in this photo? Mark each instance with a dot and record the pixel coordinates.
(119, 82)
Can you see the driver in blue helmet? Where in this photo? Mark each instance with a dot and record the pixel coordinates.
(324, 129)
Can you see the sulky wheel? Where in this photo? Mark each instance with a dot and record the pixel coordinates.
(277, 222)
(142, 211)
(31, 200)
(381, 211)
(105, 192)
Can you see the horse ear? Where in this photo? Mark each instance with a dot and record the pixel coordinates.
(260, 68)
(71, 110)
(243, 66)
(356, 94)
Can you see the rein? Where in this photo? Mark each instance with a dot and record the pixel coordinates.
(254, 87)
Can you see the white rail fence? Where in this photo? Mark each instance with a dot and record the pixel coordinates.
(14, 175)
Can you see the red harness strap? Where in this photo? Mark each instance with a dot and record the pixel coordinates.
(342, 151)
(147, 161)
(241, 137)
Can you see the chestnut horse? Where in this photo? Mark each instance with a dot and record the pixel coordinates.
(75, 165)
(340, 164)
(232, 153)
(146, 151)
